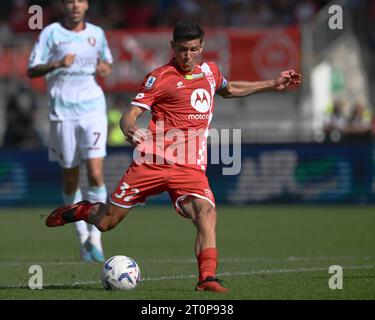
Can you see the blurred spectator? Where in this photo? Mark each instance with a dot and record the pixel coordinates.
(239, 14)
(373, 125)
(170, 16)
(371, 25)
(115, 136)
(305, 10)
(283, 12)
(5, 30)
(190, 7)
(215, 12)
(19, 16)
(335, 123)
(359, 122)
(116, 11)
(260, 14)
(20, 119)
(114, 14)
(139, 13)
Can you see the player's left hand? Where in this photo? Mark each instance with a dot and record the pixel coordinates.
(103, 69)
(286, 78)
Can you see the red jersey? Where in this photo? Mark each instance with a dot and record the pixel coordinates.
(182, 106)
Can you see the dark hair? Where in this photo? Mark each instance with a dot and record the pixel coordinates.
(188, 29)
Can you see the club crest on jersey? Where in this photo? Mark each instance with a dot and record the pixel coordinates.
(92, 41)
(194, 76)
(200, 100)
(150, 82)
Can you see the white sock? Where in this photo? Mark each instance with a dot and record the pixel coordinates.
(81, 226)
(96, 194)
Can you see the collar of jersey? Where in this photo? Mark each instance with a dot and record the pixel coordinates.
(66, 29)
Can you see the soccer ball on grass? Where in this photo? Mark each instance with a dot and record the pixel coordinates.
(120, 273)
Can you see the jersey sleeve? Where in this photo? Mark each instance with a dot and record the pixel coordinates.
(40, 53)
(149, 93)
(220, 81)
(105, 53)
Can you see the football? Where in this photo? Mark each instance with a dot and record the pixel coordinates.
(120, 273)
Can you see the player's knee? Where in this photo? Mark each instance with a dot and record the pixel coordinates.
(211, 214)
(104, 226)
(108, 222)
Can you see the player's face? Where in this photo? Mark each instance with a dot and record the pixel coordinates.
(75, 10)
(187, 53)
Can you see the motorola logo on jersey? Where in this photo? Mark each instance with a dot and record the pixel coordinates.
(193, 116)
(200, 100)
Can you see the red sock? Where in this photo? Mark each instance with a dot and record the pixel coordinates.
(207, 263)
(82, 211)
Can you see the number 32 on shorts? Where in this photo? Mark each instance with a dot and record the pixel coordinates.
(124, 188)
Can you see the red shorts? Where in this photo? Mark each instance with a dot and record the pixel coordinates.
(142, 181)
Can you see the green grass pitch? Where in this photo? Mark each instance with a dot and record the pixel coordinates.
(266, 252)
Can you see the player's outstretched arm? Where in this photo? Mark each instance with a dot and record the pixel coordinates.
(42, 69)
(236, 89)
(128, 124)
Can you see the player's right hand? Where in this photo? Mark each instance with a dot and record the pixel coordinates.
(68, 60)
(135, 136)
(131, 137)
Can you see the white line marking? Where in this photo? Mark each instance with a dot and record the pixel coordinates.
(255, 272)
(194, 276)
(260, 259)
(189, 260)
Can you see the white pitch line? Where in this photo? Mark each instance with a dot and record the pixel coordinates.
(188, 260)
(194, 276)
(255, 272)
(260, 259)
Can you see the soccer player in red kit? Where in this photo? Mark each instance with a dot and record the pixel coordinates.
(172, 152)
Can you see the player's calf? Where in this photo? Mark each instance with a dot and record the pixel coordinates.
(109, 216)
(103, 217)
